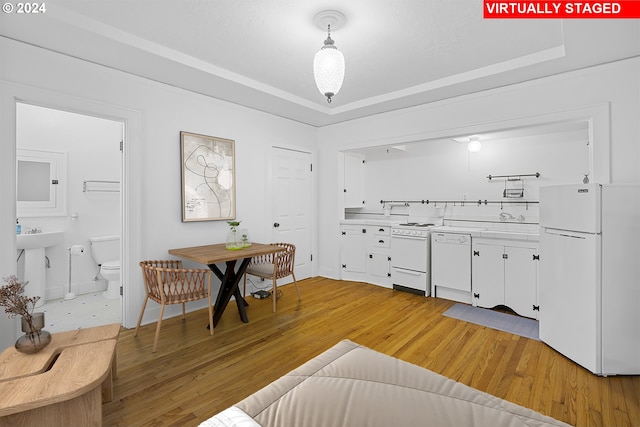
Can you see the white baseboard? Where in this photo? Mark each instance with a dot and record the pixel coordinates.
(57, 292)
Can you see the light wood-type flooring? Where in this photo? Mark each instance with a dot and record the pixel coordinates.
(193, 375)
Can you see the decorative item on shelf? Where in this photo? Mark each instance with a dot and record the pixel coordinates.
(15, 303)
(234, 238)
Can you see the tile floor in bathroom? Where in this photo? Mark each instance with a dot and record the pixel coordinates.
(84, 311)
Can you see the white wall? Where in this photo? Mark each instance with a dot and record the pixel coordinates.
(608, 95)
(92, 146)
(29, 73)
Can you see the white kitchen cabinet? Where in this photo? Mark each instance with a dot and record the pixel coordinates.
(521, 280)
(379, 255)
(354, 180)
(505, 273)
(378, 266)
(353, 249)
(487, 274)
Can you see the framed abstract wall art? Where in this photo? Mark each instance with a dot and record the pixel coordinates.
(208, 178)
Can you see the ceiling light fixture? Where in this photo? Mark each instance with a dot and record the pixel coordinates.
(328, 64)
(474, 144)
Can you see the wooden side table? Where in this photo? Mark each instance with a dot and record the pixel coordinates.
(64, 384)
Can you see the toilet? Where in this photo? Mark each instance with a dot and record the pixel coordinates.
(105, 251)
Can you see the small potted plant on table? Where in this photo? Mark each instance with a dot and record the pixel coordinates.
(234, 241)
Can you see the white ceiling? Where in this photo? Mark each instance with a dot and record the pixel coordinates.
(259, 53)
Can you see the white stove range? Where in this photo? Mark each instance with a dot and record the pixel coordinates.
(410, 256)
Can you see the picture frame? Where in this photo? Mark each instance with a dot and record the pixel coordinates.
(208, 177)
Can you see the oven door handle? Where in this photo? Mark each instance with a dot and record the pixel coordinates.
(408, 237)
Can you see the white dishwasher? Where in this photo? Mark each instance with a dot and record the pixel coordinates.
(451, 266)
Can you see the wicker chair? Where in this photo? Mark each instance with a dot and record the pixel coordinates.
(274, 266)
(166, 282)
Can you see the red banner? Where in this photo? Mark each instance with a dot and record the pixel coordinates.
(518, 9)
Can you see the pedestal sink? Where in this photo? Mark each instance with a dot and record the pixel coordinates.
(34, 273)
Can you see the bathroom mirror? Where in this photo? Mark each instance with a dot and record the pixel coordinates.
(41, 183)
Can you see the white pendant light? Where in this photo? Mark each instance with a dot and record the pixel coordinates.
(328, 64)
(474, 144)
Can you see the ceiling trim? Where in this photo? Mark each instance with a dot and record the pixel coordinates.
(478, 73)
(127, 39)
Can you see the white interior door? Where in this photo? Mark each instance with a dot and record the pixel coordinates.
(292, 190)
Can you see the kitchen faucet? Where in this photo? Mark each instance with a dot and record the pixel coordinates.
(505, 216)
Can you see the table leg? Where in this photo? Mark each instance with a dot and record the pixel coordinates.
(230, 280)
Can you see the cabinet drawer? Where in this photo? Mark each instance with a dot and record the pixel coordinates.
(380, 230)
(381, 242)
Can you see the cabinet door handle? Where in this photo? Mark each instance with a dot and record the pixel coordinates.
(380, 229)
(380, 241)
(476, 253)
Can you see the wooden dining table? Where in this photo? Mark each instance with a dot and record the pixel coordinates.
(211, 255)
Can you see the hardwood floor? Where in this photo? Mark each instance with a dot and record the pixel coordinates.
(193, 375)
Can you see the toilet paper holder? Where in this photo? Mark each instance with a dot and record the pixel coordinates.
(74, 250)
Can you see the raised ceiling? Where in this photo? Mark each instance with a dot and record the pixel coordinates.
(399, 53)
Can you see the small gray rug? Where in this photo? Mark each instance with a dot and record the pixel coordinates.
(511, 323)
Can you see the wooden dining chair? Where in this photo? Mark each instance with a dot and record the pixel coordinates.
(166, 282)
(274, 266)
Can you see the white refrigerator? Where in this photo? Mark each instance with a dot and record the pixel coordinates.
(589, 275)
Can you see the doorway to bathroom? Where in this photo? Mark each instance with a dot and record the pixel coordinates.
(84, 186)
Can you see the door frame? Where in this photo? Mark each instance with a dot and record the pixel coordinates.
(131, 120)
